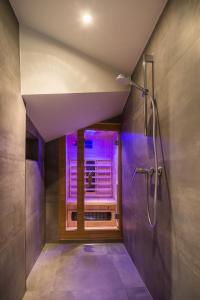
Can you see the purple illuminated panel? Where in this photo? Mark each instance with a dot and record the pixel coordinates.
(100, 166)
(71, 180)
(100, 176)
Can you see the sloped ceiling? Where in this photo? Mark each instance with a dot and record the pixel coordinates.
(117, 35)
(68, 70)
(60, 113)
(50, 67)
(65, 90)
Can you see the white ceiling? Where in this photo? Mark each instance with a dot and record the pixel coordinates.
(117, 36)
(115, 39)
(56, 115)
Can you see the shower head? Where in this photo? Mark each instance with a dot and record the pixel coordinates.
(125, 80)
(122, 79)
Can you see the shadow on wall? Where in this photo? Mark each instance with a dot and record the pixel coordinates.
(35, 213)
(150, 249)
(169, 257)
(52, 190)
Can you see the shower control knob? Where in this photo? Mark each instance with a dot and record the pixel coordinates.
(160, 169)
(151, 171)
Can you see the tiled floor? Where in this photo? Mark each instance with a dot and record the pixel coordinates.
(85, 272)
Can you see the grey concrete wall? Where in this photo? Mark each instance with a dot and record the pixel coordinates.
(51, 190)
(35, 205)
(12, 161)
(168, 258)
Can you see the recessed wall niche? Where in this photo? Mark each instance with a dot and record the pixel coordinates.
(32, 146)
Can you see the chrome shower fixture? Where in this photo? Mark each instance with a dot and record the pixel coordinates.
(148, 60)
(148, 171)
(126, 80)
(157, 170)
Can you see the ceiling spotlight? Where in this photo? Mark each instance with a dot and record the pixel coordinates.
(87, 18)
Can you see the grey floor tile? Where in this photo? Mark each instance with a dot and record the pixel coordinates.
(127, 271)
(36, 295)
(61, 296)
(138, 293)
(43, 274)
(85, 271)
(116, 249)
(100, 294)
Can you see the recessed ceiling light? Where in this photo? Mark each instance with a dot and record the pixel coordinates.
(87, 18)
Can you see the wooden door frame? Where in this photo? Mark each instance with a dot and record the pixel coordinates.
(80, 233)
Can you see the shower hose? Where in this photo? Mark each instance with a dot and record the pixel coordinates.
(153, 219)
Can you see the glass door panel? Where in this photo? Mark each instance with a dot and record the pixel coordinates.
(101, 180)
(71, 182)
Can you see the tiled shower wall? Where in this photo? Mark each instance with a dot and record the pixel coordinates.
(12, 161)
(52, 190)
(168, 258)
(35, 205)
(21, 182)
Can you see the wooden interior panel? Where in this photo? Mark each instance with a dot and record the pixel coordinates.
(62, 186)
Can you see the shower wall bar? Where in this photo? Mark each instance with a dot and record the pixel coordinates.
(147, 59)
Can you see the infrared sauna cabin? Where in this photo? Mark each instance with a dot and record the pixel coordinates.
(92, 204)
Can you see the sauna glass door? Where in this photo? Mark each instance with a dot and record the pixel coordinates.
(101, 207)
(71, 183)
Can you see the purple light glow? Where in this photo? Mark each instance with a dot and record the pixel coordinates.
(101, 159)
(138, 146)
(90, 132)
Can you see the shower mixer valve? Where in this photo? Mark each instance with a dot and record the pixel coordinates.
(149, 171)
